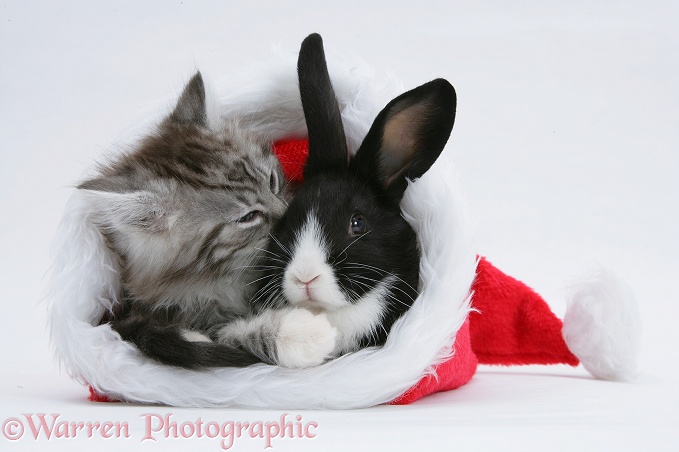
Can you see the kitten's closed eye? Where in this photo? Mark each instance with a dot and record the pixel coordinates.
(250, 217)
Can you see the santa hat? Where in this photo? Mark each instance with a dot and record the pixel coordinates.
(467, 312)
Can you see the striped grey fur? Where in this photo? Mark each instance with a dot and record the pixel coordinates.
(185, 213)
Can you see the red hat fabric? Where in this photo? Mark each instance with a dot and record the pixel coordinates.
(511, 324)
(292, 153)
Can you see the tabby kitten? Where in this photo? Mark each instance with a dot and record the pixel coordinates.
(185, 215)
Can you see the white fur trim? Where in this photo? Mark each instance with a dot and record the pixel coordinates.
(602, 326)
(84, 278)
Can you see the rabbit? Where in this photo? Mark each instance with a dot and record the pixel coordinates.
(343, 250)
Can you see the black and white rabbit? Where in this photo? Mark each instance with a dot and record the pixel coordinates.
(343, 249)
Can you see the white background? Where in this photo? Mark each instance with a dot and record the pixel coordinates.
(567, 144)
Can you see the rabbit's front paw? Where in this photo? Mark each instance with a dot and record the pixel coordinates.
(304, 339)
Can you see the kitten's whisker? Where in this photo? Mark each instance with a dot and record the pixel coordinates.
(247, 264)
(258, 279)
(263, 289)
(282, 247)
(272, 299)
(262, 267)
(285, 263)
(268, 252)
(268, 287)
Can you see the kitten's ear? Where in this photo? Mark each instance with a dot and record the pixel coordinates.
(407, 136)
(190, 108)
(139, 210)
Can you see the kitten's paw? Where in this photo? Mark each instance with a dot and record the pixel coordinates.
(304, 339)
(194, 336)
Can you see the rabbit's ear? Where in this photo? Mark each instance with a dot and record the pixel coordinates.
(408, 136)
(190, 108)
(327, 143)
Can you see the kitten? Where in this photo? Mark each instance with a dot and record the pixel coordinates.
(186, 214)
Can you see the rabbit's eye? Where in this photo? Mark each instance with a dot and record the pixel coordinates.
(357, 226)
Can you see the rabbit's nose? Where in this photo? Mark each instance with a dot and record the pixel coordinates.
(304, 280)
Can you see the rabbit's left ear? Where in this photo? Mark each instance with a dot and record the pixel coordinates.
(407, 136)
(327, 142)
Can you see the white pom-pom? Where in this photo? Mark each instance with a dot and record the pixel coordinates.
(602, 326)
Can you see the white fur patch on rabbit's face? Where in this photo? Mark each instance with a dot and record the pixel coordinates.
(309, 281)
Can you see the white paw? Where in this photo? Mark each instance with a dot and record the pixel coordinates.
(194, 336)
(304, 339)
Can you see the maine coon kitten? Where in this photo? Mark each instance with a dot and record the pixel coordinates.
(186, 214)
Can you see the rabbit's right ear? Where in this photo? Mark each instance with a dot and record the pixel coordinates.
(327, 142)
(407, 136)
